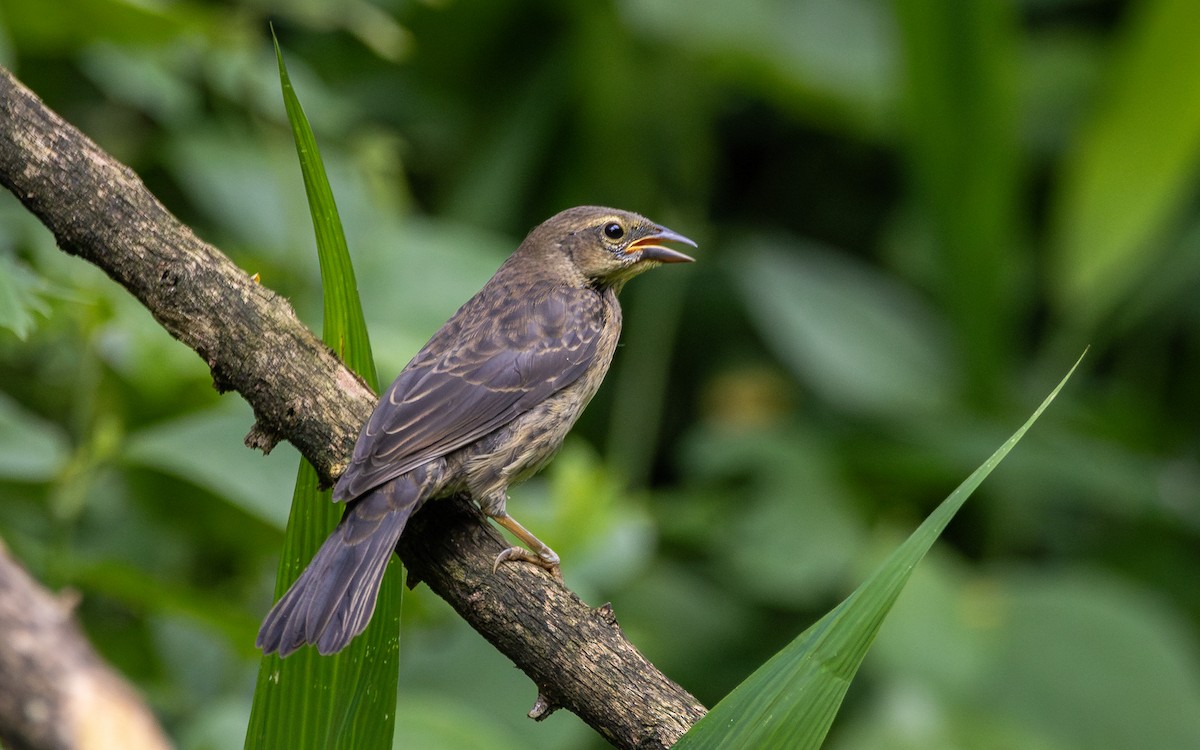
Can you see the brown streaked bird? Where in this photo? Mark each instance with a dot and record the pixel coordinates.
(484, 405)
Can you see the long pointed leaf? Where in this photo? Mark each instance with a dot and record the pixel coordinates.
(348, 699)
(790, 702)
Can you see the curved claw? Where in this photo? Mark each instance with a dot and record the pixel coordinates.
(544, 557)
(520, 554)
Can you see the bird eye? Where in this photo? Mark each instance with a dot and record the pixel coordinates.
(614, 231)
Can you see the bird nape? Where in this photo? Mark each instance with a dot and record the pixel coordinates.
(483, 405)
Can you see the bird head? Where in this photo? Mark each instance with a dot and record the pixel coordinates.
(609, 246)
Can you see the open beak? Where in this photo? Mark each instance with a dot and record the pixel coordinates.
(650, 248)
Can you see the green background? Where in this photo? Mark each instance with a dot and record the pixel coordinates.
(912, 217)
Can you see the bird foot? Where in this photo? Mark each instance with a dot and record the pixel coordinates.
(520, 554)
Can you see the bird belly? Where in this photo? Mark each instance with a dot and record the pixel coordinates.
(518, 450)
(525, 445)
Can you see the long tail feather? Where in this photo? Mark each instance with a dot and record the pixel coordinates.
(333, 599)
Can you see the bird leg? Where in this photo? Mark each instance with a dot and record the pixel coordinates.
(542, 556)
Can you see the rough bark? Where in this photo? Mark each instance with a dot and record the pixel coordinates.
(582, 662)
(253, 343)
(249, 337)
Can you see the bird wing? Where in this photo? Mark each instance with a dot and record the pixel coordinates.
(484, 367)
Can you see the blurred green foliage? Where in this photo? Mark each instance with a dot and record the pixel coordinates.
(912, 216)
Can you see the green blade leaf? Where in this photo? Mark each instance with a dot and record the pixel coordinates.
(347, 699)
(790, 701)
(344, 327)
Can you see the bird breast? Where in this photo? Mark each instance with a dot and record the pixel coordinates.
(521, 448)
